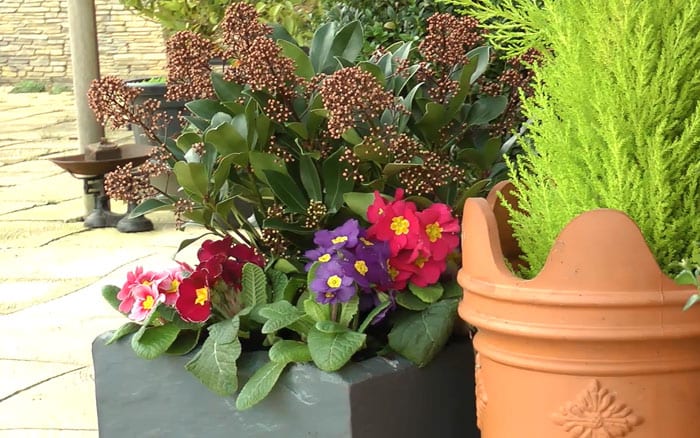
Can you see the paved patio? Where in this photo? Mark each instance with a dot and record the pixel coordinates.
(52, 269)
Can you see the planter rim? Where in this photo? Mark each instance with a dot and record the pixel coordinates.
(600, 281)
(578, 262)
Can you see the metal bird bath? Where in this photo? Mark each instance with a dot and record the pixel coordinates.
(91, 168)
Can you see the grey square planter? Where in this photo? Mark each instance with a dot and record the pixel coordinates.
(374, 398)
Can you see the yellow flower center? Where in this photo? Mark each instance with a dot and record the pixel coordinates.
(380, 211)
(361, 267)
(146, 283)
(148, 302)
(330, 294)
(366, 242)
(420, 261)
(334, 281)
(434, 232)
(173, 287)
(339, 239)
(400, 225)
(202, 295)
(324, 258)
(393, 272)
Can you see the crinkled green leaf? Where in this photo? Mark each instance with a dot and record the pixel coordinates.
(215, 363)
(126, 329)
(259, 385)
(348, 310)
(151, 342)
(419, 336)
(331, 351)
(109, 293)
(317, 311)
(279, 315)
(254, 285)
(286, 351)
(185, 342)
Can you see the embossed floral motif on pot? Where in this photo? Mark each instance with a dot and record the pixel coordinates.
(597, 414)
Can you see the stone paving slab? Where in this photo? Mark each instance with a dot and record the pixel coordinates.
(53, 403)
(22, 379)
(52, 271)
(33, 234)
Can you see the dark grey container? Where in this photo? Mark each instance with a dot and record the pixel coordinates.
(171, 127)
(375, 398)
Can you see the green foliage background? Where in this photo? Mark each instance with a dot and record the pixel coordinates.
(616, 121)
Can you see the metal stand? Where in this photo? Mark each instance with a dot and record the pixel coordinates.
(102, 216)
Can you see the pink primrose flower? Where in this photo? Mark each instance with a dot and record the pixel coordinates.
(146, 298)
(134, 278)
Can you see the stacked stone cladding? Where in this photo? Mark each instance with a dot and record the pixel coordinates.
(35, 43)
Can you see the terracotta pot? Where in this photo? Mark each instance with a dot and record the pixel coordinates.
(595, 346)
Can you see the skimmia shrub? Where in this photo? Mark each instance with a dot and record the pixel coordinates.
(331, 186)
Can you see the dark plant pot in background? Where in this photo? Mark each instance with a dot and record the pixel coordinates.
(374, 398)
(172, 109)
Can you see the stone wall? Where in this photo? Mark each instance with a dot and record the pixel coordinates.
(35, 45)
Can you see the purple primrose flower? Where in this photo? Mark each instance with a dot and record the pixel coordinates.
(331, 284)
(345, 236)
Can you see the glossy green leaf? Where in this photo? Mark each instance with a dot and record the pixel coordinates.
(348, 42)
(204, 108)
(427, 294)
(358, 202)
(483, 55)
(262, 161)
(226, 139)
(486, 109)
(150, 205)
(287, 191)
(304, 68)
(225, 90)
(335, 183)
(192, 177)
(320, 50)
(310, 178)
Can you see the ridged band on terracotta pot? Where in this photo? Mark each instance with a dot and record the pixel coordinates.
(596, 345)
